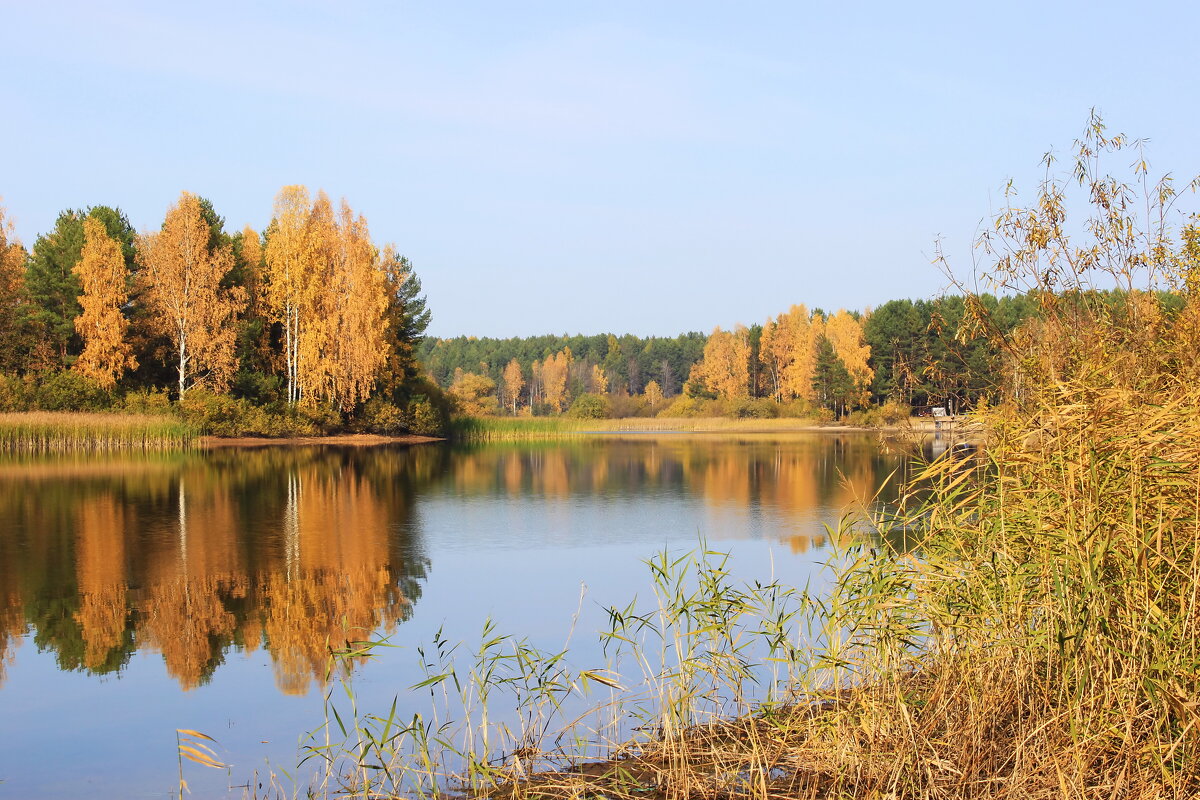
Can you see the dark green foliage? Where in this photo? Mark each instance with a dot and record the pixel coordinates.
(12, 394)
(407, 318)
(939, 352)
(589, 406)
(54, 289)
(66, 391)
(831, 379)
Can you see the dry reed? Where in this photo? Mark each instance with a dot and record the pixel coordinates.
(46, 431)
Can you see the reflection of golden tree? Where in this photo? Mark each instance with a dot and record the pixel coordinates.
(514, 473)
(794, 487)
(555, 477)
(336, 574)
(340, 587)
(12, 629)
(100, 567)
(652, 464)
(474, 473)
(185, 616)
(600, 470)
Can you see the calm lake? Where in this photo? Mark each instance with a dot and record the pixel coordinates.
(140, 595)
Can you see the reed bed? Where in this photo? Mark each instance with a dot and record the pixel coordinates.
(46, 431)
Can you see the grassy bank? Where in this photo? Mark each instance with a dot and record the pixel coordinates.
(44, 431)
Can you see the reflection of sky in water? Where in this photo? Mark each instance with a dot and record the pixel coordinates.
(251, 544)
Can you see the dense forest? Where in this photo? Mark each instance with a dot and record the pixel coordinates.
(304, 328)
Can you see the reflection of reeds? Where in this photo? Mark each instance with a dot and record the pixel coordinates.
(42, 431)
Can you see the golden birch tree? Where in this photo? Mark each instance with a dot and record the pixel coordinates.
(769, 355)
(252, 275)
(107, 353)
(725, 368)
(12, 295)
(327, 286)
(599, 380)
(788, 352)
(653, 394)
(291, 277)
(513, 383)
(554, 378)
(181, 286)
(345, 345)
(845, 333)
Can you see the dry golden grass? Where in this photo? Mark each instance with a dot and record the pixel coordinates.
(41, 431)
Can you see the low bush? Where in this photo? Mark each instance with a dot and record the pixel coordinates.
(894, 412)
(589, 406)
(68, 391)
(426, 419)
(381, 417)
(146, 401)
(754, 408)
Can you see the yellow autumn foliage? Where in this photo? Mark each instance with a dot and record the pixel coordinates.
(101, 269)
(181, 280)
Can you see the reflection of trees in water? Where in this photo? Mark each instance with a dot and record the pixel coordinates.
(737, 477)
(296, 549)
(289, 549)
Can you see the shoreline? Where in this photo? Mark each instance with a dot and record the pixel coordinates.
(338, 439)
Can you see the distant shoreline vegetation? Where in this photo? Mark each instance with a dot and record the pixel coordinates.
(866, 368)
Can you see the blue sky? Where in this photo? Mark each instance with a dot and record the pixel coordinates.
(644, 167)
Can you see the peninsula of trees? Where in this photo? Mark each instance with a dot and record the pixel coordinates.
(305, 327)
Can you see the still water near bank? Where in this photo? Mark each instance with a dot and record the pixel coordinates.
(140, 595)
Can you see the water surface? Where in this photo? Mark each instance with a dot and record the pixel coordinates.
(139, 595)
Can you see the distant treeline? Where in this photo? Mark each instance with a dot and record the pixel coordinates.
(305, 327)
(915, 352)
(912, 353)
